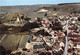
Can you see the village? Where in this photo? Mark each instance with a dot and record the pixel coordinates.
(49, 35)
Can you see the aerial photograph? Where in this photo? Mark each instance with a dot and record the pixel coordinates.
(39, 27)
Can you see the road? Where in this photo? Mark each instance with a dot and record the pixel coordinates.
(3, 36)
(66, 38)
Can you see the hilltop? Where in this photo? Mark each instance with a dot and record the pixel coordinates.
(32, 10)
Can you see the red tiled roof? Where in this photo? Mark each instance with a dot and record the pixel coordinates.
(45, 23)
(33, 19)
(75, 44)
(70, 50)
(74, 35)
(59, 34)
(46, 37)
(54, 17)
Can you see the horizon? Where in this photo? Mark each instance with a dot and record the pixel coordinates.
(34, 2)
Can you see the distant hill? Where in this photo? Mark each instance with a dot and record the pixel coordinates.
(28, 8)
(68, 3)
(32, 9)
(67, 7)
(25, 8)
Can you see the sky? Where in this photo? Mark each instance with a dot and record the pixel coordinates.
(32, 2)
